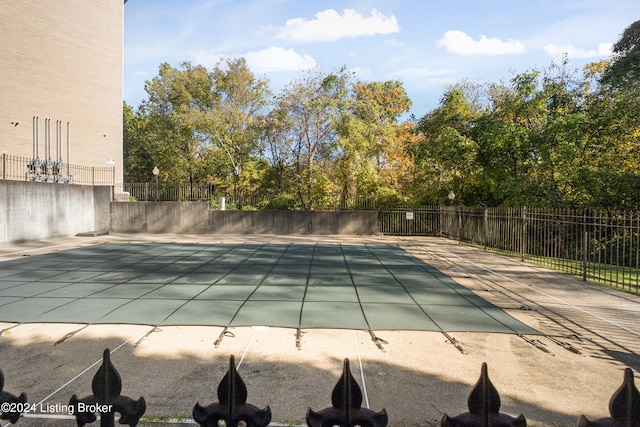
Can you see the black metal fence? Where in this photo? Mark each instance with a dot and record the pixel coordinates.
(232, 410)
(149, 191)
(595, 245)
(14, 168)
(197, 192)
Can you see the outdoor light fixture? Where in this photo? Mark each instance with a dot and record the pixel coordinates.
(156, 172)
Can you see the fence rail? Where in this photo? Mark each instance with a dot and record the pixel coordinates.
(151, 191)
(599, 246)
(147, 191)
(14, 168)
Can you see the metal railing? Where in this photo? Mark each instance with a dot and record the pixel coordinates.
(151, 191)
(14, 168)
(288, 201)
(232, 409)
(148, 192)
(595, 245)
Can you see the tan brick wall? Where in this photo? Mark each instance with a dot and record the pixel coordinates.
(62, 59)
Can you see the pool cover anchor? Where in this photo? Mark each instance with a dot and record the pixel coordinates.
(537, 344)
(565, 345)
(299, 333)
(2, 331)
(225, 333)
(145, 336)
(377, 340)
(457, 344)
(70, 334)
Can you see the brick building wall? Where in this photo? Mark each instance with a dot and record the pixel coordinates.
(62, 60)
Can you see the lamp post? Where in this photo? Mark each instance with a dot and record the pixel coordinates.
(156, 172)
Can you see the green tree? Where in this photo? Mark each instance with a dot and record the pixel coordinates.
(172, 122)
(625, 69)
(313, 107)
(447, 151)
(233, 121)
(137, 154)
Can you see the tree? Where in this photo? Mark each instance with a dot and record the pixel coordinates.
(172, 122)
(447, 151)
(137, 153)
(368, 135)
(233, 120)
(625, 69)
(313, 108)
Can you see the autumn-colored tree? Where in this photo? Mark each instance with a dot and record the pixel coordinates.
(368, 137)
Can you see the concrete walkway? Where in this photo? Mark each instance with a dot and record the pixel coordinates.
(589, 335)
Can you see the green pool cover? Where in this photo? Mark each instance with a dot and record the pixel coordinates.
(376, 287)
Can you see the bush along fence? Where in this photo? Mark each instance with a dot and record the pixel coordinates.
(232, 409)
(15, 168)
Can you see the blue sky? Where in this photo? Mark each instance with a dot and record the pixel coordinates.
(425, 44)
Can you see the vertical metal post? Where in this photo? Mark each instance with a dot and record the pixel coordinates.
(4, 166)
(523, 239)
(458, 211)
(585, 245)
(68, 166)
(486, 227)
(93, 175)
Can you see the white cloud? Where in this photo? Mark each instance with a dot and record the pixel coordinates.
(329, 25)
(273, 58)
(461, 43)
(279, 59)
(604, 49)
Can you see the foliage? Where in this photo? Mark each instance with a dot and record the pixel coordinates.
(625, 69)
(552, 137)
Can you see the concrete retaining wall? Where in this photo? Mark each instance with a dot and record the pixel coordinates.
(183, 217)
(38, 211)
(159, 217)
